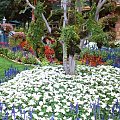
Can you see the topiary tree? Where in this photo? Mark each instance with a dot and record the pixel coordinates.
(36, 30)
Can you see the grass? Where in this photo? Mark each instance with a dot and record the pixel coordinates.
(6, 64)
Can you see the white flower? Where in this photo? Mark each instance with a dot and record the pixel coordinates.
(49, 109)
(31, 102)
(35, 116)
(103, 105)
(40, 103)
(41, 113)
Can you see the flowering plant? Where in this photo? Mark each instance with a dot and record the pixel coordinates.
(48, 90)
(19, 35)
(7, 27)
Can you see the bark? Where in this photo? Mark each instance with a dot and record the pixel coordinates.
(65, 13)
(65, 64)
(71, 65)
(46, 23)
(99, 6)
(81, 43)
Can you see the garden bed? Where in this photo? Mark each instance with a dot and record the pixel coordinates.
(49, 91)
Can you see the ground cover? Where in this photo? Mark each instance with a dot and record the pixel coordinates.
(50, 92)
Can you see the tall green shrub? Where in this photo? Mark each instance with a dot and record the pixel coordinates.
(37, 27)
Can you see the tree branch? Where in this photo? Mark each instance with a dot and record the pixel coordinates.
(27, 1)
(99, 6)
(47, 25)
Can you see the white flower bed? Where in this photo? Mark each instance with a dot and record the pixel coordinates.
(48, 90)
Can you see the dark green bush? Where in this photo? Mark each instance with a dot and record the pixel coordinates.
(11, 55)
(3, 51)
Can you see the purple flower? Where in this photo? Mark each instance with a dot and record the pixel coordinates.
(77, 118)
(71, 106)
(77, 108)
(1, 106)
(52, 117)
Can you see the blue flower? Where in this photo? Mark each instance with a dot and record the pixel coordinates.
(52, 117)
(77, 108)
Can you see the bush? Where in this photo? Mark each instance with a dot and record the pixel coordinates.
(11, 55)
(109, 62)
(29, 59)
(45, 62)
(3, 51)
(18, 54)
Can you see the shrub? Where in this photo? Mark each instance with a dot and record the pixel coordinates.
(109, 62)
(11, 55)
(45, 62)
(29, 59)
(18, 55)
(3, 51)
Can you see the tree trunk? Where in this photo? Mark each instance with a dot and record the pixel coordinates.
(99, 6)
(81, 43)
(65, 63)
(65, 13)
(71, 65)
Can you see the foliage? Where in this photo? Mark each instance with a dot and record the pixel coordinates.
(44, 61)
(18, 55)
(36, 30)
(3, 6)
(19, 35)
(109, 6)
(3, 51)
(11, 55)
(13, 42)
(79, 19)
(84, 51)
(29, 59)
(69, 33)
(109, 20)
(108, 56)
(109, 62)
(55, 15)
(5, 64)
(11, 8)
(96, 30)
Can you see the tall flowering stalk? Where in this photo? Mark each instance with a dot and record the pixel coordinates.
(74, 109)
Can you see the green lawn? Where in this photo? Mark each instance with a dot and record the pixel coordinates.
(5, 64)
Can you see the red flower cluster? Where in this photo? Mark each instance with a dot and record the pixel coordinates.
(92, 60)
(25, 46)
(49, 53)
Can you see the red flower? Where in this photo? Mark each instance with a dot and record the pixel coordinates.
(49, 52)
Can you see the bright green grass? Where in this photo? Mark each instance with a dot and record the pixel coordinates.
(5, 64)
